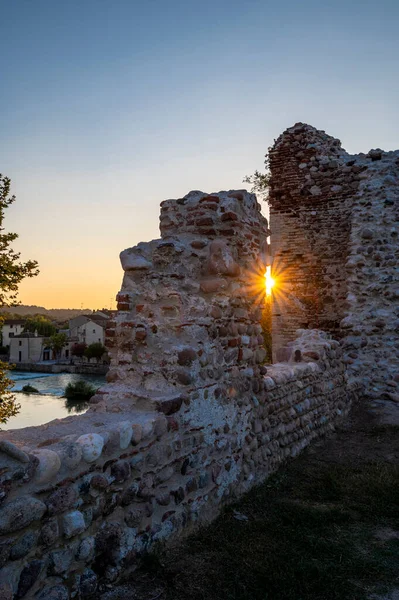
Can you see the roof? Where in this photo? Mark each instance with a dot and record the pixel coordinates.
(104, 311)
(28, 334)
(13, 322)
(98, 319)
(82, 319)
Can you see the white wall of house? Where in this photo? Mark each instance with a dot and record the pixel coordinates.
(35, 349)
(87, 333)
(93, 333)
(9, 330)
(26, 349)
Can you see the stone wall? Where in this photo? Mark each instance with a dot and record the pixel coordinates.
(371, 327)
(190, 418)
(312, 188)
(334, 221)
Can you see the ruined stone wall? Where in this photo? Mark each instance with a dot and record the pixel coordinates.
(190, 419)
(334, 223)
(312, 188)
(371, 326)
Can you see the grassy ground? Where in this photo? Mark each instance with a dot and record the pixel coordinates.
(325, 527)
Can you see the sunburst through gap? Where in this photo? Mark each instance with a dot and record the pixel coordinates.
(269, 281)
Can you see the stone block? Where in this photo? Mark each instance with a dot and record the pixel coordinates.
(73, 523)
(20, 513)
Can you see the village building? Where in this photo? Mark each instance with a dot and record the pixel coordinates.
(30, 347)
(88, 329)
(10, 328)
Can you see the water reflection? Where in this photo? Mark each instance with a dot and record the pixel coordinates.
(76, 406)
(49, 403)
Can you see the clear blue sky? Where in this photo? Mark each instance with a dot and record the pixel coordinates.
(109, 107)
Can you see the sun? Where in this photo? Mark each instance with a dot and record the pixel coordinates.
(269, 281)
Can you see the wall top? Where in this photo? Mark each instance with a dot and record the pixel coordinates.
(213, 214)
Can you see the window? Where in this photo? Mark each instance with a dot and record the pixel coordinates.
(11, 326)
(94, 331)
(19, 343)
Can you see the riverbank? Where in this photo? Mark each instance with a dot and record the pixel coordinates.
(56, 368)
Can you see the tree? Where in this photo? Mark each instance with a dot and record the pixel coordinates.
(41, 324)
(96, 350)
(260, 181)
(56, 342)
(79, 350)
(12, 272)
(8, 404)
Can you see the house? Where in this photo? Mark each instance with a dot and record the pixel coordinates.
(30, 347)
(26, 347)
(10, 328)
(104, 312)
(88, 329)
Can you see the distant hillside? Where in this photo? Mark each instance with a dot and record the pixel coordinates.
(56, 314)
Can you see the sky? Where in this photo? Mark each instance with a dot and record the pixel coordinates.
(108, 108)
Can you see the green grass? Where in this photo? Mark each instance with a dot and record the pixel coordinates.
(311, 534)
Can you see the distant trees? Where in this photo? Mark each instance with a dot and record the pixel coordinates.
(41, 324)
(96, 350)
(12, 272)
(56, 342)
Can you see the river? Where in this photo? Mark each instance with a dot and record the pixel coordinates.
(48, 404)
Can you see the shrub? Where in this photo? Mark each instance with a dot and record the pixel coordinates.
(29, 389)
(81, 390)
(78, 350)
(95, 350)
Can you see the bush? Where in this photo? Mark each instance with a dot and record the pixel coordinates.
(29, 389)
(95, 350)
(78, 350)
(81, 390)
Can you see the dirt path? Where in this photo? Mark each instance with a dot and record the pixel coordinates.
(325, 527)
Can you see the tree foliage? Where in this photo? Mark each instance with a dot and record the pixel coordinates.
(79, 349)
(41, 324)
(12, 272)
(56, 342)
(8, 404)
(80, 390)
(259, 181)
(95, 350)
